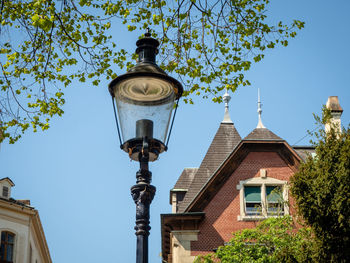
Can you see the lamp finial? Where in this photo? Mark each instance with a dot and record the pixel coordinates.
(148, 33)
(147, 48)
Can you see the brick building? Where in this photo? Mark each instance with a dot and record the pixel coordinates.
(239, 182)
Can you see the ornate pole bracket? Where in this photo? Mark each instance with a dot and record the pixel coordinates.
(143, 195)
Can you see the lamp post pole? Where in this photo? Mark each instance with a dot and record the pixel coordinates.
(145, 97)
(143, 193)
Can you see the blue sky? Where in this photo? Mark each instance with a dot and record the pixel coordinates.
(79, 180)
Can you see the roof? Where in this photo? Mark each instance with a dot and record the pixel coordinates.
(304, 151)
(7, 179)
(260, 139)
(23, 203)
(225, 143)
(262, 134)
(185, 178)
(233, 161)
(225, 140)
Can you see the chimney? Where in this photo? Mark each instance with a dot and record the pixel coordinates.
(336, 112)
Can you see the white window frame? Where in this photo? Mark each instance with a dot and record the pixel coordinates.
(262, 182)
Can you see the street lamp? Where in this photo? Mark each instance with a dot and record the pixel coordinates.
(145, 97)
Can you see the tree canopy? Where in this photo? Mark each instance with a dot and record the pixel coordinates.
(273, 240)
(47, 44)
(321, 189)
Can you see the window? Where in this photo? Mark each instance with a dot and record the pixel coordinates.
(252, 198)
(261, 197)
(179, 198)
(30, 254)
(5, 191)
(274, 199)
(7, 246)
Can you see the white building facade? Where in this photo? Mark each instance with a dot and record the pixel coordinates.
(22, 236)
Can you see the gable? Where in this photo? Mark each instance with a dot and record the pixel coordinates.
(7, 181)
(247, 154)
(222, 213)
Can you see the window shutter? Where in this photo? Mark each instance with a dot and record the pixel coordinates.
(252, 193)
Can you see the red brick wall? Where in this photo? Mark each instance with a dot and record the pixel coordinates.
(221, 213)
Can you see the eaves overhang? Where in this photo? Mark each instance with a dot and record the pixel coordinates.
(14, 205)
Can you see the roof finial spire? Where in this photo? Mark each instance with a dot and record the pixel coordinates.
(226, 98)
(260, 124)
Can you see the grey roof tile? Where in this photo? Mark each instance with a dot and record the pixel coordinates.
(304, 151)
(225, 140)
(185, 178)
(262, 134)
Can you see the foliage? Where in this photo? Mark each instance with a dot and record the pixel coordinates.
(273, 240)
(46, 44)
(321, 190)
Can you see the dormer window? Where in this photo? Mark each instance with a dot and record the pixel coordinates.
(5, 187)
(5, 191)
